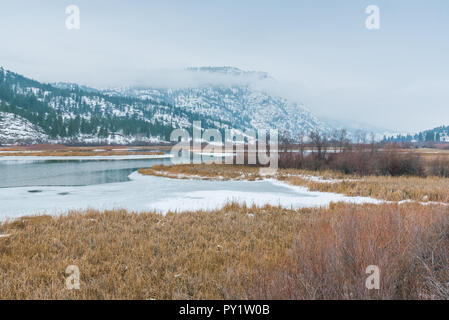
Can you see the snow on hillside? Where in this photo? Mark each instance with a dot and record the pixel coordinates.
(15, 129)
(236, 96)
(221, 97)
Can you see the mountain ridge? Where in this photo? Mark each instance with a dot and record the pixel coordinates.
(68, 112)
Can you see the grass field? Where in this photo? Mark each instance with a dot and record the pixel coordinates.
(64, 151)
(233, 253)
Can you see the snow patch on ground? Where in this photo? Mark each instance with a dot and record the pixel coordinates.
(319, 179)
(424, 203)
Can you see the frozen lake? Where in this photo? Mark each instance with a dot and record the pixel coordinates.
(55, 187)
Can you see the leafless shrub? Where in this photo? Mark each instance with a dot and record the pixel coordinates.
(438, 166)
(361, 158)
(328, 261)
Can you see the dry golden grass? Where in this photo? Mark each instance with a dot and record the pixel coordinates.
(62, 151)
(384, 188)
(233, 253)
(139, 256)
(430, 152)
(80, 154)
(380, 187)
(47, 147)
(204, 172)
(230, 172)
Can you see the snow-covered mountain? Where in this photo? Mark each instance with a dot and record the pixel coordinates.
(15, 129)
(221, 98)
(240, 97)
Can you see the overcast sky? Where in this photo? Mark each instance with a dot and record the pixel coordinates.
(396, 77)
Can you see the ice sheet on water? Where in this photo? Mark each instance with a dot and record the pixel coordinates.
(147, 193)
